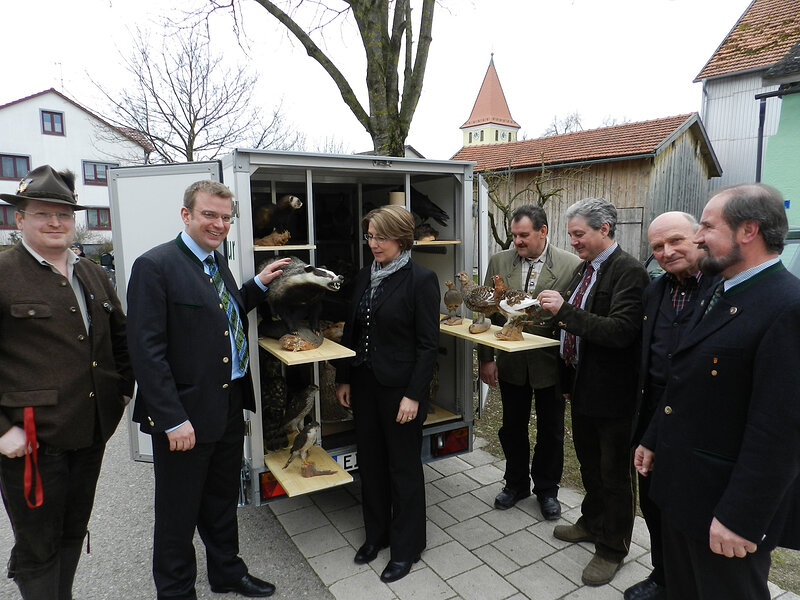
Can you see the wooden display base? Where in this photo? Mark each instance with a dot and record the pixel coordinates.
(284, 248)
(437, 414)
(327, 351)
(529, 341)
(294, 483)
(436, 242)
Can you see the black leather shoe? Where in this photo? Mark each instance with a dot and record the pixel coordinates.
(397, 569)
(508, 498)
(551, 508)
(645, 590)
(367, 553)
(248, 586)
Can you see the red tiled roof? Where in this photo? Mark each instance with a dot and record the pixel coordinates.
(132, 135)
(761, 37)
(490, 105)
(630, 139)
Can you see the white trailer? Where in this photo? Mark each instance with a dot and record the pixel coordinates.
(336, 191)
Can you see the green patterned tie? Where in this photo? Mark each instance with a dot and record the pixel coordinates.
(233, 315)
(715, 297)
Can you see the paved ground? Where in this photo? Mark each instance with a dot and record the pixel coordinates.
(305, 545)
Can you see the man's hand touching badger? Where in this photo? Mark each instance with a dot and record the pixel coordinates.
(273, 270)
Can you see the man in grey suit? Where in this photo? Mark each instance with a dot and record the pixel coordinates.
(532, 265)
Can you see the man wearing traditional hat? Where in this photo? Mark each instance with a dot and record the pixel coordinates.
(65, 379)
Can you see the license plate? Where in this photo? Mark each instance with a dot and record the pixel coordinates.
(348, 461)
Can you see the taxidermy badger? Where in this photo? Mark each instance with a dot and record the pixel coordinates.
(275, 217)
(297, 294)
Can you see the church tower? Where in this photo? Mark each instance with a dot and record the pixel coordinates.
(490, 121)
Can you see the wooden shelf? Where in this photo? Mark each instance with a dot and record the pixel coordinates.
(327, 351)
(292, 481)
(437, 243)
(487, 338)
(437, 414)
(286, 247)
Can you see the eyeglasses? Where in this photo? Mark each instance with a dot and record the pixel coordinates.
(378, 239)
(63, 217)
(212, 216)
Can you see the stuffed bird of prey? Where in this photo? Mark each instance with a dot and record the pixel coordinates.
(303, 442)
(300, 404)
(425, 209)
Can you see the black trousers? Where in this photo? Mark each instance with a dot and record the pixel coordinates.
(392, 481)
(198, 488)
(547, 465)
(652, 516)
(693, 572)
(604, 453)
(69, 481)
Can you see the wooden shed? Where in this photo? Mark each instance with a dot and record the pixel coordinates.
(644, 169)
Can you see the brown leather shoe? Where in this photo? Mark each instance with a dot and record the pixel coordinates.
(600, 571)
(572, 533)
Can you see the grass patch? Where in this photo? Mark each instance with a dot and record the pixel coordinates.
(785, 571)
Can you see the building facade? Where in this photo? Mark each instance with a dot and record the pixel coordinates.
(50, 128)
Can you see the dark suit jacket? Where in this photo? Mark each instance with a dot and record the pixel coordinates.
(404, 337)
(73, 380)
(653, 296)
(727, 434)
(179, 343)
(608, 327)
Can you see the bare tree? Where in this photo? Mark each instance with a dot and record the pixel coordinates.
(540, 188)
(391, 106)
(188, 105)
(610, 121)
(568, 124)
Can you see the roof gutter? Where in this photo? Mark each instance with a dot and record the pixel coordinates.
(762, 115)
(578, 163)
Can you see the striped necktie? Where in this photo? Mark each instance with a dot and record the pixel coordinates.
(570, 341)
(233, 315)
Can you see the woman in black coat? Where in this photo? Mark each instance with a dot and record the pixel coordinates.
(394, 329)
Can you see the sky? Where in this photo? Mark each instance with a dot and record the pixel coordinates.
(621, 60)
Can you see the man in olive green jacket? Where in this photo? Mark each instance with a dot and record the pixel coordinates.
(532, 265)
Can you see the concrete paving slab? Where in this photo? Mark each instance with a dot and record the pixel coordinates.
(362, 586)
(474, 533)
(496, 559)
(523, 547)
(540, 581)
(423, 584)
(449, 466)
(464, 507)
(319, 541)
(456, 484)
(450, 559)
(485, 474)
(510, 520)
(482, 583)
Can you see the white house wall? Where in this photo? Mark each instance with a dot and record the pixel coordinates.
(86, 139)
(730, 115)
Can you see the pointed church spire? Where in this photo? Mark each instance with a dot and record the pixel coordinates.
(490, 105)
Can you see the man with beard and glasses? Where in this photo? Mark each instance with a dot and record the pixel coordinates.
(722, 448)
